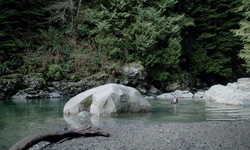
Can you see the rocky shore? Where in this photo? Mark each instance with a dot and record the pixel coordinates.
(36, 85)
(195, 136)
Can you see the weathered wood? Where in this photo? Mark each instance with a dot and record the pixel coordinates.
(31, 140)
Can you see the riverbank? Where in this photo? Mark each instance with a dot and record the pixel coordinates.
(200, 135)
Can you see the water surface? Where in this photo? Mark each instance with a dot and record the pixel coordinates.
(19, 118)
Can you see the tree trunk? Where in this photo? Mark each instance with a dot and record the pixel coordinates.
(31, 140)
(72, 7)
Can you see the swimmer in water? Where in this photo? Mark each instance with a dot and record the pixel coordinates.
(175, 100)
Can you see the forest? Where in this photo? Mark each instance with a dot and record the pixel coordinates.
(62, 39)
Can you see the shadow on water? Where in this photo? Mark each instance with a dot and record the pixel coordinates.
(19, 118)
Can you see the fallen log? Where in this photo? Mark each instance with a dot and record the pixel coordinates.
(31, 140)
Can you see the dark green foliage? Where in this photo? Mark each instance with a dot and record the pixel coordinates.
(18, 20)
(244, 32)
(86, 37)
(138, 31)
(53, 41)
(56, 72)
(8, 41)
(210, 47)
(51, 47)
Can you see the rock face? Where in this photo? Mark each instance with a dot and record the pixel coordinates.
(134, 75)
(107, 100)
(135, 71)
(34, 86)
(9, 85)
(237, 93)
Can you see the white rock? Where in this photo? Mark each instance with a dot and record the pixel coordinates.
(237, 93)
(135, 69)
(183, 94)
(178, 93)
(199, 95)
(166, 96)
(84, 115)
(107, 100)
(149, 97)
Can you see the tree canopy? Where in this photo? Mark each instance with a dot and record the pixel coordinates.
(210, 46)
(145, 31)
(244, 32)
(19, 19)
(63, 37)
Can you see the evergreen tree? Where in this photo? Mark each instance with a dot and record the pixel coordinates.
(244, 32)
(66, 13)
(138, 30)
(210, 47)
(18, 20)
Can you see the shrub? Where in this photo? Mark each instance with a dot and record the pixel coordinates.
(56, 72)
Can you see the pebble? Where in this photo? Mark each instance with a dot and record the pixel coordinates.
(195, 136)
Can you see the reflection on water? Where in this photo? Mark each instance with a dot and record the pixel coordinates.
(163, 112)
(18, 118)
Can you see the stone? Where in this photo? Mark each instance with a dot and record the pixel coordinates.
(149, 97)
(20, 95)
(199, 95)
(107, 100)
(141, 89)
(34, 81)
(177, 93)
(153, 90)
(166, 96)
(183, 94)
(173, 86)
(243, 84)
(54, 95)
(37, 94)
(237, 93)
(84, 115)
(135, 70)
(134, 74)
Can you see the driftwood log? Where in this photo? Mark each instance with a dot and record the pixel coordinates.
(31, 140)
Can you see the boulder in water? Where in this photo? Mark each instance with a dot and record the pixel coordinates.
(236, 93)
(108, 100)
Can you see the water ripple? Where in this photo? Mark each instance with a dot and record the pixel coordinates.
(222, 112)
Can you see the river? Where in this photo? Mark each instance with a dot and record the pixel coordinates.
(19, 118)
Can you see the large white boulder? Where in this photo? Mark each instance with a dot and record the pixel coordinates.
(107, 100)
(237, 93)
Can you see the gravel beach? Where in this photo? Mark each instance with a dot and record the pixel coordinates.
(219, 135)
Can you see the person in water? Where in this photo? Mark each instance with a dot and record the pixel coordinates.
(175, 100)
